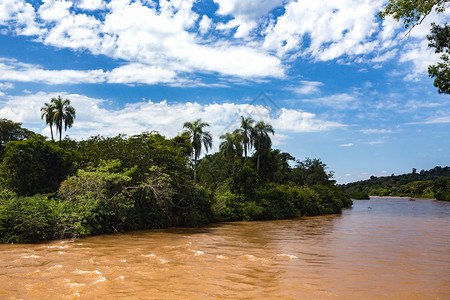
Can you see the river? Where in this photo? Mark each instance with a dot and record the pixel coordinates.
(385, 248)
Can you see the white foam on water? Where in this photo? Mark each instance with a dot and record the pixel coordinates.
(149, 255)
(30, 256)
(255, 259)
(100, 279)
(197, 252)
(87, 272)
(55, 267)
(163, 261)
(120, 277)
(123, 260)
(221, 257)
(287, 255)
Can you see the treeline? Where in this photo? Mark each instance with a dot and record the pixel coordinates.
(114, 184)
(434, 183)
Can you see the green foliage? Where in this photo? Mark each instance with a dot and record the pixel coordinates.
(412, 12)
(426, 184)
(11, 131)
(34, 166)
(26, 219)
(440, 41)
(63, 114)
(311, 172)
(145, 181)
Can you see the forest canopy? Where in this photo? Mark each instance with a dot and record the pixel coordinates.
(52, 190)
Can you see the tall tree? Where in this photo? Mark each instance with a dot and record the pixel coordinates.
(412, 13)
(48, 112)
(198, 136)
(262, 141)
(64, 113)
(440, 41)
(247, 134)
(231, 146)
(11, 131)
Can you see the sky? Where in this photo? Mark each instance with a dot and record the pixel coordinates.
(334, 81)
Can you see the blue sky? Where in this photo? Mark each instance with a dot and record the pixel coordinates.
(339, 84)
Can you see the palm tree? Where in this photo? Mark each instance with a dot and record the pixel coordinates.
(198, 136)
(48, 112)
(262, 141)
(63, 113)
(231, 146)
(247, 134)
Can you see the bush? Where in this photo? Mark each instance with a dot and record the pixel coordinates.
(26, 219)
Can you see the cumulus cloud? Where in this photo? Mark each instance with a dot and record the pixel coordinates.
(168, 38)
(133, 31)
(325, 29)
(94, 118)
(246, 14)
(205, 24)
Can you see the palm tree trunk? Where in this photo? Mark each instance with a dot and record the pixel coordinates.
(51, 132)
(257, 163)
(245, 151)
(195, 169)
(232, 162)
(60, 133)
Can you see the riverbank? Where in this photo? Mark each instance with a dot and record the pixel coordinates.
(396, 250)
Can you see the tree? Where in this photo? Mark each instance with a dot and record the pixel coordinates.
(440, 40)
(63, 113)
(198, 136)
(34, 166)
(262, 140)
(231, 146)
(11, 131)
(413, 13)
(48, 112)
(247, 134)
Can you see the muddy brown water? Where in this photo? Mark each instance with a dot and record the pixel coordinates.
(385, 248)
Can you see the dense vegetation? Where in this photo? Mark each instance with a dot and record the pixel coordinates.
(434, 183)
(66, 189)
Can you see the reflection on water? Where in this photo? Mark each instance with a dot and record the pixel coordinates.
(382, 248)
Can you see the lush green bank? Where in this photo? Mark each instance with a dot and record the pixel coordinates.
(434, 183)
(114, 184)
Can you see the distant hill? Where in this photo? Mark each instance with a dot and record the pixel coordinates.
(434, 183)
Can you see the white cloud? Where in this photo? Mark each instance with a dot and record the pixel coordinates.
(420, 56)
(90, 4)
(307, 87)
(376, 142)
(325, 30)
(375, 131)
(6, 85)
(128, 74)
(16, 71)
(93, 118)
(337, 101)
(205, 24)
(246, 14)
(159, 37)
(433, 120)
(139, 73)
(346, 145)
